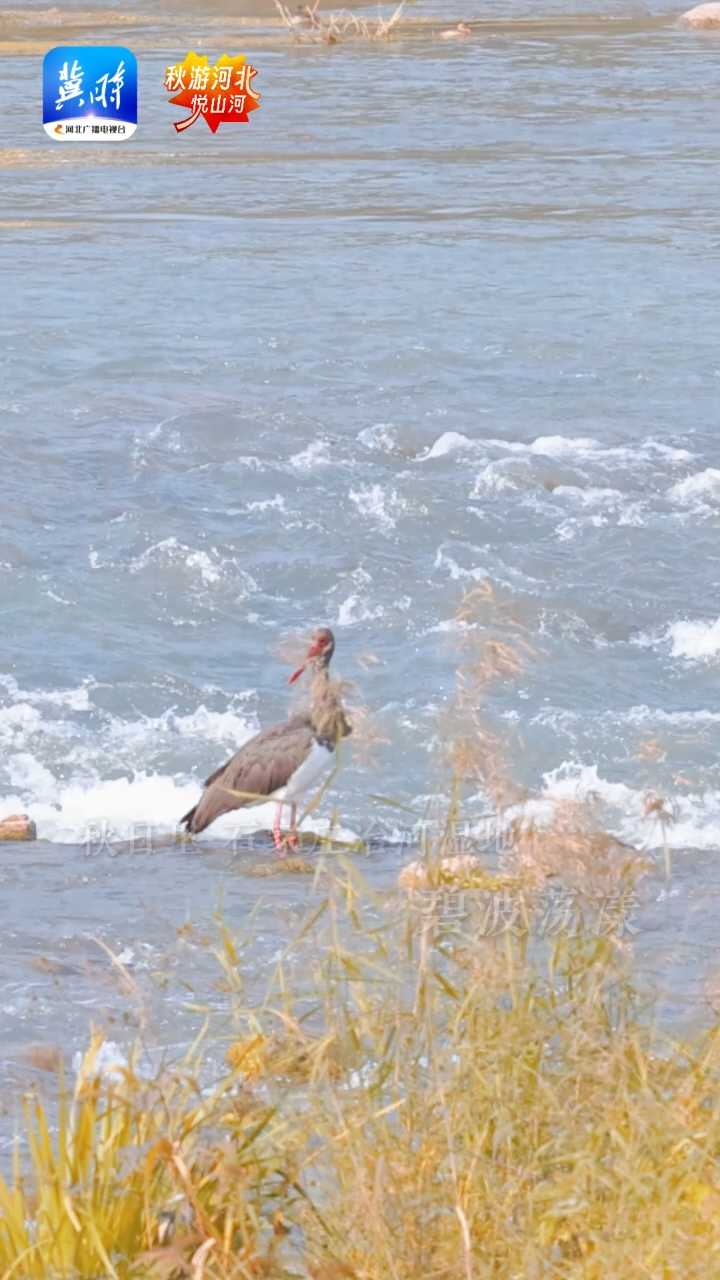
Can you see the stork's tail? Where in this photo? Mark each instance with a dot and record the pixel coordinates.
(187, 820)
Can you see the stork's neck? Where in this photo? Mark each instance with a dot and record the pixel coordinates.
(327, 713)
(320, 681)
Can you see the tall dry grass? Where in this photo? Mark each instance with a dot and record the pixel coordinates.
(432, 1103)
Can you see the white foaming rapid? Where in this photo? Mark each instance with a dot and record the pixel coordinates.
(210, 566)
(687, 639)
(448, 442)
(590, 497)
(76, 699)
(380, 506)
(89, 777)
(457, 572)
(595, 508)
(695, 816)
(204, 573)
(564, 446)
(695, 641)
(381, 437)
(317, 454)
(569, 449)
(700, 491)
(590, 448)
(139, 809)
(355, 609)
(497, 477)
(268, 504)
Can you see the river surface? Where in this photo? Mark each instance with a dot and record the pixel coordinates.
(443, 311)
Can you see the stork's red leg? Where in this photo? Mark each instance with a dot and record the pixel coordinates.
(277, 833)
(293, 836)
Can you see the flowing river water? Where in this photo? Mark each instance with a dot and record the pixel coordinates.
(443, 311)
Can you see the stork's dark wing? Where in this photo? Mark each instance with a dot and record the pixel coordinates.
(258, 769)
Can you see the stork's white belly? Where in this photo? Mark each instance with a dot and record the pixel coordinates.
(317, 762)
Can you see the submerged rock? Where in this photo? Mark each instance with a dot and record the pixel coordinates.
(460, 32)
(433, 875)
(17, 827)
(281, 867)
(704, 16)
(44, 1057)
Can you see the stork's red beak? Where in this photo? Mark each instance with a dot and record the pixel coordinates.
(314, 651)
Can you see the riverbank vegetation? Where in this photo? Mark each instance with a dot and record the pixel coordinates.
(434, 1103)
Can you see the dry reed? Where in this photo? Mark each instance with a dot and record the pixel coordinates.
(441, 1106)
(306, 26)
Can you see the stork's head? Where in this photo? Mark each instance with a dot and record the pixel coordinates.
(320, 651)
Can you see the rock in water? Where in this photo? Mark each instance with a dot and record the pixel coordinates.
(17, 827)
(460, 32)
(441, 874)
(703, 16)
